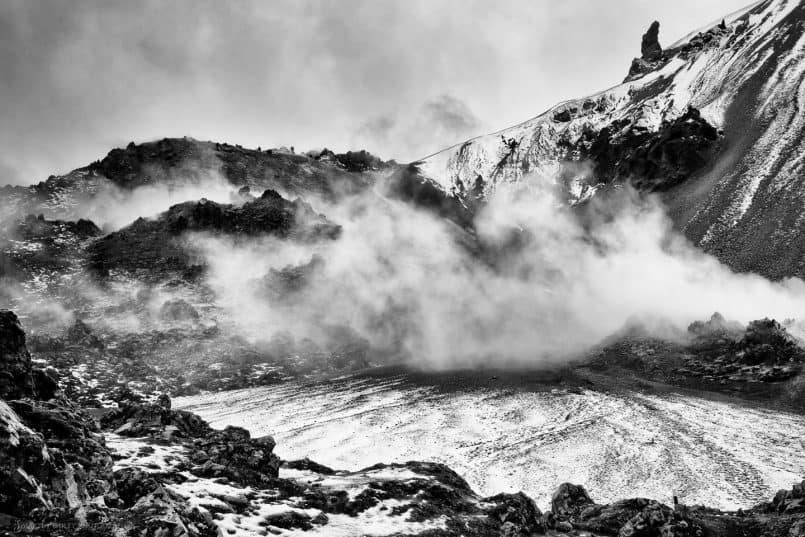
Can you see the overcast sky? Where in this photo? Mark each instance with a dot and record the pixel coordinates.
(401, 78)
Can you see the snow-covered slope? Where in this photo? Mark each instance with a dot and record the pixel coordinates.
(738, 193)
(511, 439)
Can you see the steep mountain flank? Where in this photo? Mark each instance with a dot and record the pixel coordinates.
(714, 122)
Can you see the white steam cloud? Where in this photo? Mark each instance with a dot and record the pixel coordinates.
(552, 282)
(113, 208)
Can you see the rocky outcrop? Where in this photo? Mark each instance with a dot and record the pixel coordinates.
(56, 473)
(156, 420)
(155, 250)
(650, 48)
(759, 361)
(650, 161)
(178, 310)
(234, 455)
(167, 472)
(284, 284)
(16, 379)
(34, 244)
(569, 499)
(651, 54)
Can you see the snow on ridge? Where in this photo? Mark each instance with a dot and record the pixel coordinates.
(707, 79)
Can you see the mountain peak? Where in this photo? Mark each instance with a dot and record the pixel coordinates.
(743, 76)
(650, 47)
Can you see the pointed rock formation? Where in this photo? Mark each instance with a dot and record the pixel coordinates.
(650, 47)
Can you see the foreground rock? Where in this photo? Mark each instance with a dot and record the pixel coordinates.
(758, 361)
(56, 472)
(150, 470)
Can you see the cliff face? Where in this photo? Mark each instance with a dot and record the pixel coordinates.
(714, 122)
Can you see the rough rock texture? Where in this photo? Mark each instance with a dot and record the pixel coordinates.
(167, 472)
(758, 361)
(34, 245)
(56, 473)
(233, 454)
(178, 310)
(16, 379)
(569, 499)
(650, 48)
(155, 249)
(651, 161)
(156, 420)
(743, 205)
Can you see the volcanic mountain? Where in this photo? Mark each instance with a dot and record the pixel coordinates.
(713, 122)
(321, 297)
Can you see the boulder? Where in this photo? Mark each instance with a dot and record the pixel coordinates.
(16, 379)
(568, 500)
(178, 310)
(517, 513)
(234, 455)
(154, 420)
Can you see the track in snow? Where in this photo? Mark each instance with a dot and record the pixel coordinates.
(510, 439)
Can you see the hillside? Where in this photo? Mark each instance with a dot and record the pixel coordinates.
(713, 123)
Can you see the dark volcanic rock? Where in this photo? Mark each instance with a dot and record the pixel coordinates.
(233, 454)
(155, 248)
(651, 54)
(42, 245)
(178, 310)
(716, 326)
(569, 499)
(650, 45)
(285, 283)
(517, 513)
(761, 361)
(156, 420)
(767, 342)
(651, 161)
(15, 362)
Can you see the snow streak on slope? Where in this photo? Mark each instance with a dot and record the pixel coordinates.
(706, 79)
(747, 79)
(517, 439)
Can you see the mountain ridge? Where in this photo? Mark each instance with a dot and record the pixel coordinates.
(731, 75)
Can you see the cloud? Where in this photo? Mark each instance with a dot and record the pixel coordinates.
(451, 115)
(8, 174)
(436, 124)
(559, 282)
(77, 78)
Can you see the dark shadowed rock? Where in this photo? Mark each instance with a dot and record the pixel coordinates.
(16, 379)
(285, 283)
(569, 500)
(234, 455)
(651, 161)
(155, 249)
(517, 513)
(46, 382)
(178, 310)
(650, 48)
(81, 334)
(716, 326)
(154, 420)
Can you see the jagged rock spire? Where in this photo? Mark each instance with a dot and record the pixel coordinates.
(16, 379)
(650, 47)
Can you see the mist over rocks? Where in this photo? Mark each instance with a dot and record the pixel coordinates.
(150, 243)
(589, 244)
(151, 469)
